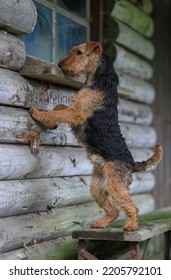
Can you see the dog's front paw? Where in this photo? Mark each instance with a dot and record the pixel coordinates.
(33, 112)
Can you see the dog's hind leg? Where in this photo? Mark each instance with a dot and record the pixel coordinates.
(103, 198)
(118, 179)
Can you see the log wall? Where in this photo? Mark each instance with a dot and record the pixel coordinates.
(44, 198)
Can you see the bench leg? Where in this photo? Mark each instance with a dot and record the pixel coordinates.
(167, 245)
(133, 253)
(83, 254)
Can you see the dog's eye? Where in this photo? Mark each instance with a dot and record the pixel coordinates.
(79, 52)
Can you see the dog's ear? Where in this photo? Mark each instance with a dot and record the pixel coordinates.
(93, 47)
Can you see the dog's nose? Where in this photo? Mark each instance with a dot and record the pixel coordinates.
(60, 64)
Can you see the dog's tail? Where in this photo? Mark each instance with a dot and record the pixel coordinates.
(156, 158)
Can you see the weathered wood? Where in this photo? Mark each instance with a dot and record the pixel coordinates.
(142, 182)
(46, 71)
(151, 225)
(13, 88)
(131, 64)
(18, 17)
(12, 51)
(134, 41)
(145, 5)
(37, 195)
(21, 230)
(59, 249)
(138, 136)
(128, 13)
(16, 124)
(134, 112)
(16, 162)
(140, 90)
(45, 96)
(17, 91)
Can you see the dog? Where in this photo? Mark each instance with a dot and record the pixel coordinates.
(93, 116)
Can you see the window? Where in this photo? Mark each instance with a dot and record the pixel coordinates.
(61, 24)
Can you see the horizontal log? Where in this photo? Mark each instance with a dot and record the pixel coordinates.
(145, 5)
(49, 72)
(16, 124)
(134, 41)
(16, 162)
(58, 249)
(19, 92)
(128, 13)
(21, 230)
(138, 136)
(13, 88)
(12, 51)
(31, 228)
(45, 96)
(129, 63)
(18, 17)
(38, 195)
(142, 182)
(134, 112)
(139, 89)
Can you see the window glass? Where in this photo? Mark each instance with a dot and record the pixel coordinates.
(39, 42)
(61, 24)
(77, 7)
(69, 34)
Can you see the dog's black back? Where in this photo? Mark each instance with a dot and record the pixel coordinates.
(101, 133)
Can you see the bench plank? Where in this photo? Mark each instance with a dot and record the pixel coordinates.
(151, 224)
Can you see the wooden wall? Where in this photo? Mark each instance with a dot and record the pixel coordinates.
(162, 104)
(44, 198)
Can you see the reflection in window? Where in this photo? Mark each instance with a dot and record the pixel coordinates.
(39, 42)
(68, 33)
(60, 25)
(77, 7)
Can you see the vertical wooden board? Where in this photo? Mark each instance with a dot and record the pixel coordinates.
(18, 17)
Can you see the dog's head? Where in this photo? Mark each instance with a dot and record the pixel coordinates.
(83, 58)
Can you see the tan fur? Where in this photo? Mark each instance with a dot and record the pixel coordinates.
(156, 158)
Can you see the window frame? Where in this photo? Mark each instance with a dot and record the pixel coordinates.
(53, 5)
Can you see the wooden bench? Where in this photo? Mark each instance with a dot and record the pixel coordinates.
(151, 225)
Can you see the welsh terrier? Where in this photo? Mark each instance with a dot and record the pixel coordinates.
(93, 116)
